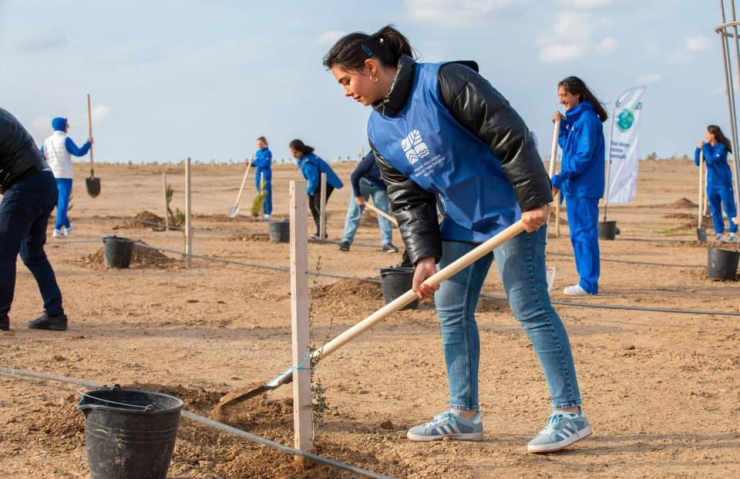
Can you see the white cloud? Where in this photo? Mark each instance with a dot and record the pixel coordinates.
(650, 79)
(329, 38)
(697, 44)
(459, 13)
(48, 40)
(101, 112)
(573, 35)
(584, 3)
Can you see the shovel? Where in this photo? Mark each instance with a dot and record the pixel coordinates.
(234, 210)
(92, 183)
(701, 233)
(379, 315)
(382, 213)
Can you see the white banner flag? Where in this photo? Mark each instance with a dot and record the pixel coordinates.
(623, 161)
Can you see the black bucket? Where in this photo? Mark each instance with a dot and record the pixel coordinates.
(722, 264)
(280, 231)
(608, 230)
(129, 434)
(118, 251)
(396, 282)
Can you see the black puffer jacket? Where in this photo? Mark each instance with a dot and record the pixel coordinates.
(19, 155)
(485, 112)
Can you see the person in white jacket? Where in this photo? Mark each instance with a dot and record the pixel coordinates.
(58, 150)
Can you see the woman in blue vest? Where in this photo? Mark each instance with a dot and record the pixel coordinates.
(311, 166)
(581, 177)
(263, 162)
(715, 147)
(442, 135)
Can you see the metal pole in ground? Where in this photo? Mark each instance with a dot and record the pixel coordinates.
(736, 164)
(302, 411)
(166, 207)
(188, 222)
(322, 222)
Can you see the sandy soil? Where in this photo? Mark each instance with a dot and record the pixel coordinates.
(661, 390)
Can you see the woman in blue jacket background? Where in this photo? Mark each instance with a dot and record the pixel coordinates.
(443, 136)
(311, 166)
(581, 177)
(716, 146)
(263, 162)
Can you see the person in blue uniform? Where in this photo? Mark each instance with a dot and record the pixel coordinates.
(311, 166)
(581, 177)
(263, 176)
(444, 136)
(715, 147)
(366, 182)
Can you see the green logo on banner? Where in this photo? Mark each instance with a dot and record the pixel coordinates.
(625, 120)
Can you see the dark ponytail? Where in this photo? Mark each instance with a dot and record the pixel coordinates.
(298, 145)
(263, 139)
(717, 132)
(576, 86)
(387, 45)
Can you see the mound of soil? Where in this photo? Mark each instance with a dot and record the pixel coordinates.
(143, 220)
(680, 216)
(683, 203)
(349, 290)
(141, 258)
(254, 237)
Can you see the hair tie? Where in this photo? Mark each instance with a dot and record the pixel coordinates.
(367, 51)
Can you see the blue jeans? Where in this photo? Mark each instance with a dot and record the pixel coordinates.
(24, 216)
(521, 264)
(718, 197)
(354, 213)
(64, 186)
(583, 222)
(266, 176)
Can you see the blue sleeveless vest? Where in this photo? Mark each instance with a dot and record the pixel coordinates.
(429, 146)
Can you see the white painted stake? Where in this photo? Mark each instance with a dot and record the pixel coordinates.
(302, 420)
(166, 212)
(553, 158)
(188, 223)
(322, 221)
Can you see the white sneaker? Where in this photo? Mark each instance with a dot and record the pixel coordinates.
(575, 290)
(719, 237)
(57, 234)
(267, 217)
(733, 237)
(68, 231)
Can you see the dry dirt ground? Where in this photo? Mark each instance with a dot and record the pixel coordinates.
(662, 390)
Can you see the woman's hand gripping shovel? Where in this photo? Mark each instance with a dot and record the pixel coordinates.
(379, 315)
(234, 210)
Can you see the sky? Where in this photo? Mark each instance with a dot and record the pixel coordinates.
(171, 79)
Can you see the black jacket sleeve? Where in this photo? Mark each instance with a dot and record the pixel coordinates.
(362, 169)
(415, 210)
(486, 113)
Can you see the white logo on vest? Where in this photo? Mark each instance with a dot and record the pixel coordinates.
(414, 147)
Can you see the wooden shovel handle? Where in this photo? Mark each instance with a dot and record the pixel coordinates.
(382, 213)
(554, 150)
(90, 135)
(244, 181)
(408, 297)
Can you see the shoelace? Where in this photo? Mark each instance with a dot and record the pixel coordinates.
(554, 424)
(440, 419)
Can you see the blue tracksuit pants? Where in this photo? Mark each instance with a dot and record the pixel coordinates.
(717, 197)
(583, 221)
(64, 185)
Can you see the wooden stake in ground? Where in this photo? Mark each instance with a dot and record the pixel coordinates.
(553, 158)
(302, 420)
(322, 221)
(166, 205)
(188, 223)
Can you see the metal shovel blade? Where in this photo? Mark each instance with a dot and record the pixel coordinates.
(93, 186)
(284, 378)
(701, 235)
(233, 211)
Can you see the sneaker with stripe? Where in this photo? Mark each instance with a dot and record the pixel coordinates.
(450, 425)
(562, 430)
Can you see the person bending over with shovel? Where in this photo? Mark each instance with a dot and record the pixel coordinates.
(440, 131)
(58, 150)
(29, 196)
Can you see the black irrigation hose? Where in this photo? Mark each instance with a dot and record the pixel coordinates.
(561, 303)
(208, 422)
(645, 263)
